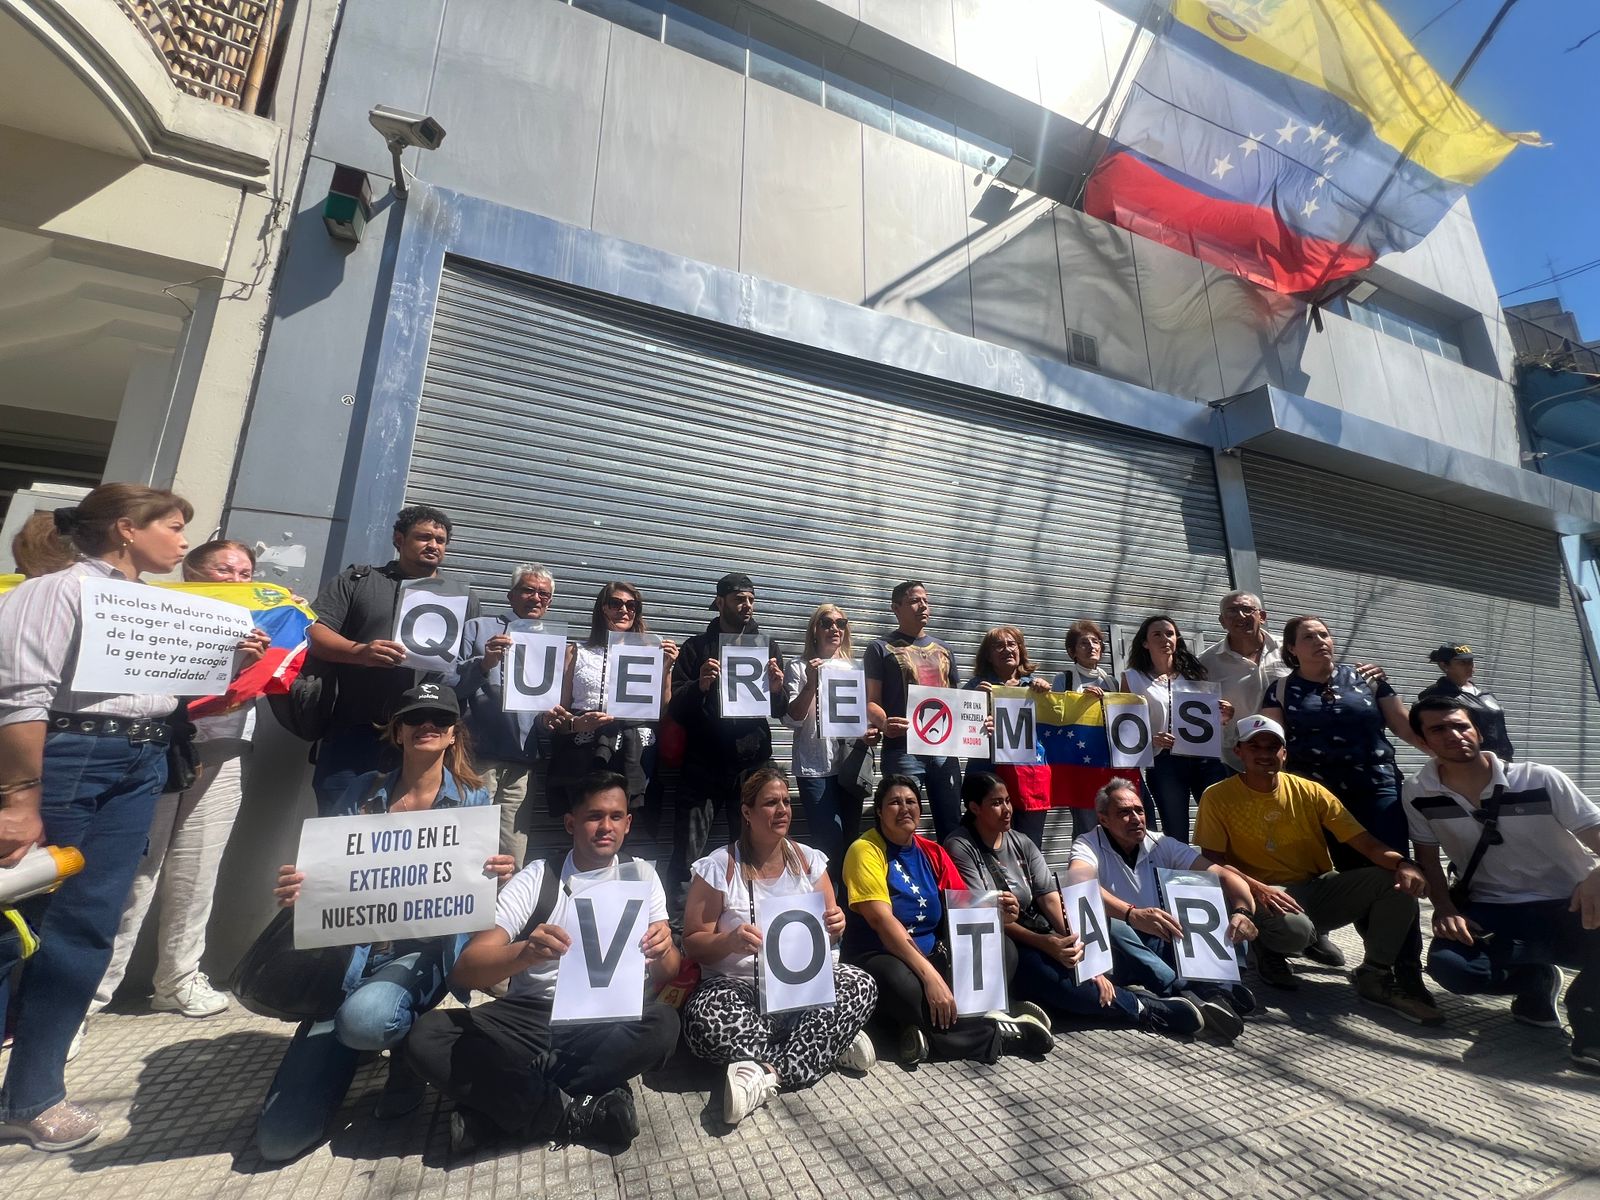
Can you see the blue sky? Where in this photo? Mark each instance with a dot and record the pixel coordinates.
(1540, 203)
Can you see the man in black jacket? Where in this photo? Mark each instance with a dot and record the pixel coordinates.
(1456, 684)
(718, 750)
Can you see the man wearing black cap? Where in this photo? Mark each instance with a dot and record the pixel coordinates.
(717, 749)
(1488, 717)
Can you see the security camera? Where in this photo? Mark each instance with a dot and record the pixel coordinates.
(408, 129)
(400, 130)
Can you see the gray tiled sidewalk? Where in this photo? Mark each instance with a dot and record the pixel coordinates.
(1319, 1098)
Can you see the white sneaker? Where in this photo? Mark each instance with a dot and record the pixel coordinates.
(859, 1055)
(196, 998)
(749, 1085)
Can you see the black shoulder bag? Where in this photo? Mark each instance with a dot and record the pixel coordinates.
(1490, 836)
(1031, 918)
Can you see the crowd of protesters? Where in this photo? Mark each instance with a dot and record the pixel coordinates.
(1305, 821)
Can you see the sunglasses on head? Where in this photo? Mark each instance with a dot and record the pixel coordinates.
(440, 720)
(619, 604)
(833, 623)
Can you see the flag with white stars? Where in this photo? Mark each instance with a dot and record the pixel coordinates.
(1289, 141)
(1072, 757)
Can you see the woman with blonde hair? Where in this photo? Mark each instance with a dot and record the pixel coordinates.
(388, 985)
(722, 1021)
(833, 812)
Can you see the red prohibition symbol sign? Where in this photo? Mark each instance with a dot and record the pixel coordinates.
(933, 722)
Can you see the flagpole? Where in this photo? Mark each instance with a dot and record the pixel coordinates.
(1104, 109)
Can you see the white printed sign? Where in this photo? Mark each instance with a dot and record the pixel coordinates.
(743, 684)
(137, 640)
(1085, 909)
(1196, 901)
(946, 722)
(534, 668)
(1128, 732)
(796, 959)
(977, 953)
(428, 622)
(1015, 740)
(841, 700)
(635, 673)
(384, 877)
(601, 977)
(1196, 720)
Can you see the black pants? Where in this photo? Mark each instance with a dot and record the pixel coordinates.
(902, 1003)
(702, 795)
(503, 1061)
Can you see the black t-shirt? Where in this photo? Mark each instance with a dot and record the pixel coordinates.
(359, 603)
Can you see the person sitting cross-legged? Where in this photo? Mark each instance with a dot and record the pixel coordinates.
(1124, 855)
(1269, 825)
(513, 1077)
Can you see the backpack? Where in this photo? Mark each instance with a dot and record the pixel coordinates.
(306, 709)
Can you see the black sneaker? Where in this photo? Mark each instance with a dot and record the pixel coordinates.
(402, 1091)
(470, 1132)
(608, 1119)
(1218, 1015)
(1586, 1058)
(1176, 1016)
(1274, 969)
(1023, 1032)
(1377, 985)
(1536, 1005)
(1323, 951)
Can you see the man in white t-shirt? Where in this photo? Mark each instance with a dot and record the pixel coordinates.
(1528, 904)
(1125, 855)
(513, 1077)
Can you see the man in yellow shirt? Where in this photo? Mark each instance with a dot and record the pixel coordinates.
(1270, 826)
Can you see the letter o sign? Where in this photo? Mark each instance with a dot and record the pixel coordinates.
(1120, 738)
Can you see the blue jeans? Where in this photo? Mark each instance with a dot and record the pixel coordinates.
(343, 757)
(1534, 934)
(323, 1056)
(99, 795)
(1145, 961)
(940, 779)
(1173, 781)
(1046, 982)
(833, 818)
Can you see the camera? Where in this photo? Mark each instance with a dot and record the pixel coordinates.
(406, 129)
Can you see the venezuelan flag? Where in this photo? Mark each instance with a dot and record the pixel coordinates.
(1073, 753)
(285, 621)
(1292, 142)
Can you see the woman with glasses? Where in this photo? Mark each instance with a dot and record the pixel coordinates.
(1085, 645)
(388, 985)
(587, 738)
(1158, 659)
(1002, 661)
(833, 814)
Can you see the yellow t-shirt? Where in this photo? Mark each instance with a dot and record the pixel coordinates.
(1274, 836)
(866, 869)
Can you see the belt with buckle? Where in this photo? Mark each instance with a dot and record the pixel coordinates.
(135, 729)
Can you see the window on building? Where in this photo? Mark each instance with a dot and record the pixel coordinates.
(1410, 322)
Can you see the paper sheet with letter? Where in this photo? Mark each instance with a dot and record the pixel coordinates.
(742, 685)
(946, 722)
(383, 877)
(977, 954)
(601, 976)
(1196, 720)
(841, 700)
(136, 640)
(1015, 737)
(533, 669)
(1085, 910)
(796, 969)
(634, 676)
(428, 621)
(1128, 732)
(1196, 901)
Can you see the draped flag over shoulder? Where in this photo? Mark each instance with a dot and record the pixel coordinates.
(1292, 142)
(286, 622)
(1074, 755)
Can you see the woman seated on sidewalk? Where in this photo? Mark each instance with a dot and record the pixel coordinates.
(988, 853)
(723, 1022)
(894, 881)
(388, 985)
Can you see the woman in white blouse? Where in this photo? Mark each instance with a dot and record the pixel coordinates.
(722, 1021)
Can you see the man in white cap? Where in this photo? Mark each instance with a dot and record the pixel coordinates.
(1270, 826)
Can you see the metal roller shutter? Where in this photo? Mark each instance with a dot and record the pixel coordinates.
(1396, 575)
(610, 440)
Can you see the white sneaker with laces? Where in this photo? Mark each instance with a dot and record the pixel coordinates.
(196, 998)
(749, 1085)
(859, 1055)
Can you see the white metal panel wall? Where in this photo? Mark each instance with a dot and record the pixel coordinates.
(615, 441)
(1396, 575)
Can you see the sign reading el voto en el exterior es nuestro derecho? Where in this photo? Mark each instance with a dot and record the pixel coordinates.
(138, 640)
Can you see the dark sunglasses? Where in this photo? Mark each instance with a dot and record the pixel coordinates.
(439, 720)
(833, 623)
(618, 604)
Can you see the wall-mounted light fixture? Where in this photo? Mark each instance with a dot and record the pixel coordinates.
(348, 207)
(1017, 172)
(1362, 292)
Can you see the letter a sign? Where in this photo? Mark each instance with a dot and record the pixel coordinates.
(601, 978)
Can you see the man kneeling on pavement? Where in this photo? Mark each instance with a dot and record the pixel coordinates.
(1125, 854)
(1526, 899)
(1269, 826)
(513, 1077)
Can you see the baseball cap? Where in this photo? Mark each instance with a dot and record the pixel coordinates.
(429, 697)
(1249, 727)
(733, 583)
(1449, 653)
